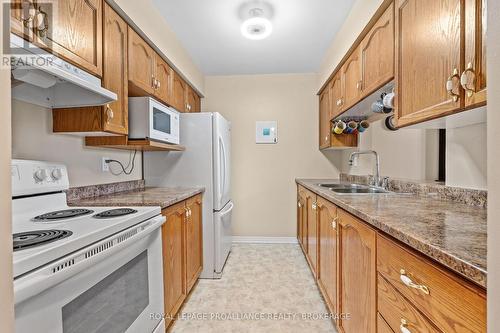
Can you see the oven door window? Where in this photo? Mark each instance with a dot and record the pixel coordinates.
(113, 304)
(162, 121)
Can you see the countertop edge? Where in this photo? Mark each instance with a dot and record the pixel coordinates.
(467, 270)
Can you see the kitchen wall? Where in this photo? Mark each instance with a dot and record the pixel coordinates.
(152, 23)
(263, 186)
(409, 153)
(493, 66)
(32, 138)
(6, 289)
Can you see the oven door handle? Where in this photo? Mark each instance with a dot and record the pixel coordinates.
(48, 276)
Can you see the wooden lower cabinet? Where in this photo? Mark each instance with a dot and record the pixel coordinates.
(312, 231)
(360, 273)
(327, 262)
(182, 253)
(358, 282)
(194, 241)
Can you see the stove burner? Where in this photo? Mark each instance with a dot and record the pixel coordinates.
(115, 213)
(62, 214)
(34, 238)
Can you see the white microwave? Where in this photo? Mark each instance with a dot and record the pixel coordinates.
(149, 119)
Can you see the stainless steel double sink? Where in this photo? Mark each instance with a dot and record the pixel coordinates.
(340, 188)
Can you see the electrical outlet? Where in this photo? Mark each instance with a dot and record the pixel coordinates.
(104, 165)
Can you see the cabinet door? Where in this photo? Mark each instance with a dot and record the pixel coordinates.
(173, 259)
(74, 32)
(115, 71)
(336, 96)
(194, 241)
(141, 65)
(178, 93)
(327, 270)
(22, 13)
(351, 75)
(312, 230)
(163, 75)
(302, 218)
(428, 46)
(191, 100)
(377, 54)
(474, 76)
(324, 118)
(357, 275)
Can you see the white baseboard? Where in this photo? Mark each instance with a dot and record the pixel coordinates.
(265, 240)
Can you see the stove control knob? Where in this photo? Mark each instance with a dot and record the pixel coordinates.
(40, 175)
(56, 174)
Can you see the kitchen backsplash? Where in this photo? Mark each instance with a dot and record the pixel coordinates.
(472, 197)
(91, 191)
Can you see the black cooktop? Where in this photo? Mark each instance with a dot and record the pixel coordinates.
(24, 240)
(115, 213)
(62, 214)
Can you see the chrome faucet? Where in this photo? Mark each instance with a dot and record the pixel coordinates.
(377, 181)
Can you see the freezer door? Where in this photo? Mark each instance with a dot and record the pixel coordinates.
(222, 161)
(223, 235)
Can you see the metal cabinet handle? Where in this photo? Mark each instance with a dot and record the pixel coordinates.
(314, 206)
(158, 84)
(334, 222)
(31, 11)
(339, 102)
(109, 112)
(403, 328)
(326, 138)
(450, 85)
(299, 204)
(359, 84)
(41, 22)
(464, 80)
(409, 282)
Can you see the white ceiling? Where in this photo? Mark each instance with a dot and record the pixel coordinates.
(210, 31)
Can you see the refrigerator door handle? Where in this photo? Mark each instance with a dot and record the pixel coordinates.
(222, 170)
(228, 210)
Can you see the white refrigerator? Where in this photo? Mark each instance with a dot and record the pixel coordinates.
(205, 162)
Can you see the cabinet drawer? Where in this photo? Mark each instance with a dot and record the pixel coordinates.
(451, 303)
(398, 313)
(382, 326)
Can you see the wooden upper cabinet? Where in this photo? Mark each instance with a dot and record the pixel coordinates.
(377, 54)
(192, 100)
(357, 293)
(428, 44)
(74, 31)
(141, 65)
(327, 270)
(115, 72)
(194, 240)
(178, 93)
(351, 76)
(324, 118)
(473, 78)
(312, 230)
(336, 96)
(174, 270)
(164, 79)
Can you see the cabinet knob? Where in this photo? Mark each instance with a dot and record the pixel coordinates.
(359, 84)
(339, 102)
(334, 222)
(299, 204)
(464, 80)
(450, 85)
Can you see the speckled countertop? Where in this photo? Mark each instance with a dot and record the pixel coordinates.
(453, 234)
(150, 196)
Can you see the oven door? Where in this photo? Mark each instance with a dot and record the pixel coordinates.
(164, 123)
(120, 291)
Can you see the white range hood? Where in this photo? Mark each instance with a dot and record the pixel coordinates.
(43, 79)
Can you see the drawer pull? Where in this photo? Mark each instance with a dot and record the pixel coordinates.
(403, 328)
(408, 282)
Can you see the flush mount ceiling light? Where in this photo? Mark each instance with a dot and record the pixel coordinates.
(257, 27)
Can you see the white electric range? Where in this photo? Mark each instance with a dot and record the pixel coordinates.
(82, 269)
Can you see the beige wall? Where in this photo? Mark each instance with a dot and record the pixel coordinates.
(152, 23)
(32, 138)
(493, 169)
(263, 186)
(6, 291)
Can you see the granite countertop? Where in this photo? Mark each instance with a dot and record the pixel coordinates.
(149, 196)
(453, 234)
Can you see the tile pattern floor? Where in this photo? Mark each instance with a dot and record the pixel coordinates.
(266, 280)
